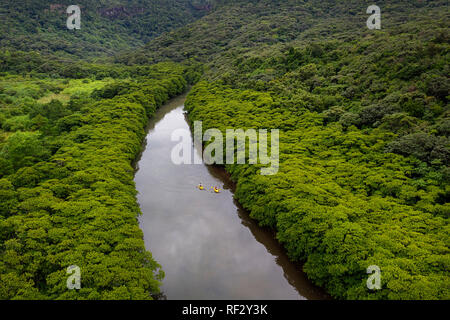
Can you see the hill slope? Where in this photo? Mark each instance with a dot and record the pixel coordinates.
(106, 26)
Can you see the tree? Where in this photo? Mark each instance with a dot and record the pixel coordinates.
(23, 149)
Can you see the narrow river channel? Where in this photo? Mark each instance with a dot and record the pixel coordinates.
(207, 245)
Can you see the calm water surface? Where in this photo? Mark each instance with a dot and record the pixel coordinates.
(207, 245)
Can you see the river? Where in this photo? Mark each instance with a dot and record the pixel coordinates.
(208, 246)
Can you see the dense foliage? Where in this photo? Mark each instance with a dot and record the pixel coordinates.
(239, 28)
(67, 195)
(365, 149)
(339, 202)
(364, 119)
(106, 26)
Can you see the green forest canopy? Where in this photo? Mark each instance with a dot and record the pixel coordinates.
(363, 114)
(364, 146)
(106, 26)
(67, 195)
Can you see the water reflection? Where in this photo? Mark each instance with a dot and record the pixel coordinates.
(204, 241)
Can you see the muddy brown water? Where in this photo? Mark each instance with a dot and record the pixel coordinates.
(207, 245)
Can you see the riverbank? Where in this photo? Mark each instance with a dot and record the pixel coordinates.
(208, 246)
(339, 202)
(69, 213)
